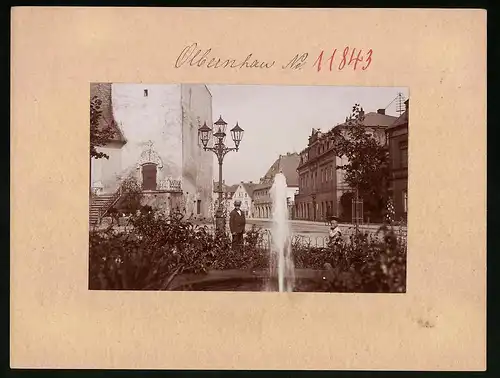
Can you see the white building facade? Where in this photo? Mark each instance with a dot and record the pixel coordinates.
(162, 151)
(244, 193)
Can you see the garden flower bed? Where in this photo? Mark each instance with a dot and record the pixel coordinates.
(158, 253)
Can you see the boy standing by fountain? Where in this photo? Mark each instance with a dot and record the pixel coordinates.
(237, 225)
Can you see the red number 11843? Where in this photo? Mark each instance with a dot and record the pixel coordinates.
(341, 59)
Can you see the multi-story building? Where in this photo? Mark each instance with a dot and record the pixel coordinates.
(262, 201)
(397, 137)
(157, 144)
(322, 188)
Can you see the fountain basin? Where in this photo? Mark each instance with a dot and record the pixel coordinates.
(306, 280)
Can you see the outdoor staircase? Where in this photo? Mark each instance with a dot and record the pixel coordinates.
(99, 205)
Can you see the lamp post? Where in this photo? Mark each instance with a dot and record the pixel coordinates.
(314, 206)
(220, 150)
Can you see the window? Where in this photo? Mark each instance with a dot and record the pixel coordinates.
(245, 195)
(403, 154)
(146, 93)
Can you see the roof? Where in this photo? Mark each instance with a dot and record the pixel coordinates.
(287, 164)
(103, 92)
(249, 187)
(401, 120)
(225, 188)
(374, 119)
(263, 185)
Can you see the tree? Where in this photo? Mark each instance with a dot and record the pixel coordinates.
(99, 136)
(131, 197)
(346, 206)
(367, 169)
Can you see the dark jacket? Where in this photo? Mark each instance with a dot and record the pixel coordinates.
(237, 222)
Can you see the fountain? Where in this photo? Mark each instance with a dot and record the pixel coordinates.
(280, 276)
(281, 262)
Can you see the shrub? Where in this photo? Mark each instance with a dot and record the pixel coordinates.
(130, 200)
(158, 247)
(251, 255)
(363, 263)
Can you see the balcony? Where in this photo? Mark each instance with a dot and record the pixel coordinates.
(169, 185)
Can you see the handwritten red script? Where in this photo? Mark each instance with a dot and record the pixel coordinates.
(348, 57)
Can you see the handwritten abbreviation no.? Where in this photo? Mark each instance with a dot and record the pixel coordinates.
(297, 62)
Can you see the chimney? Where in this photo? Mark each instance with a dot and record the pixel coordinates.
(362, 112)
(381, 111)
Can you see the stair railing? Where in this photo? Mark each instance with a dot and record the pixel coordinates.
(109, 204)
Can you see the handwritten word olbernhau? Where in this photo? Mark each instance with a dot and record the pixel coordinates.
(334, 60)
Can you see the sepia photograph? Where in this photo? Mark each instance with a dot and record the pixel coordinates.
(206, 187)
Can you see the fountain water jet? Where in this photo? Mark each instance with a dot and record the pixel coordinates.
(281, 262)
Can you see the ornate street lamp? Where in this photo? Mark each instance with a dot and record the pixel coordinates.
(220, 150)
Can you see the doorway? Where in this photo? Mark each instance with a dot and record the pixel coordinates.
(149, 176)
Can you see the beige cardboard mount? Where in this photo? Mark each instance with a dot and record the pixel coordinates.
(439, 324)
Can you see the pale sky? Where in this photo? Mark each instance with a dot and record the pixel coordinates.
(279, 119)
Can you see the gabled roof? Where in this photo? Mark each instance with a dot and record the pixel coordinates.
(249, 187)
(103, 92)
(225, 188)
(286, 164)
